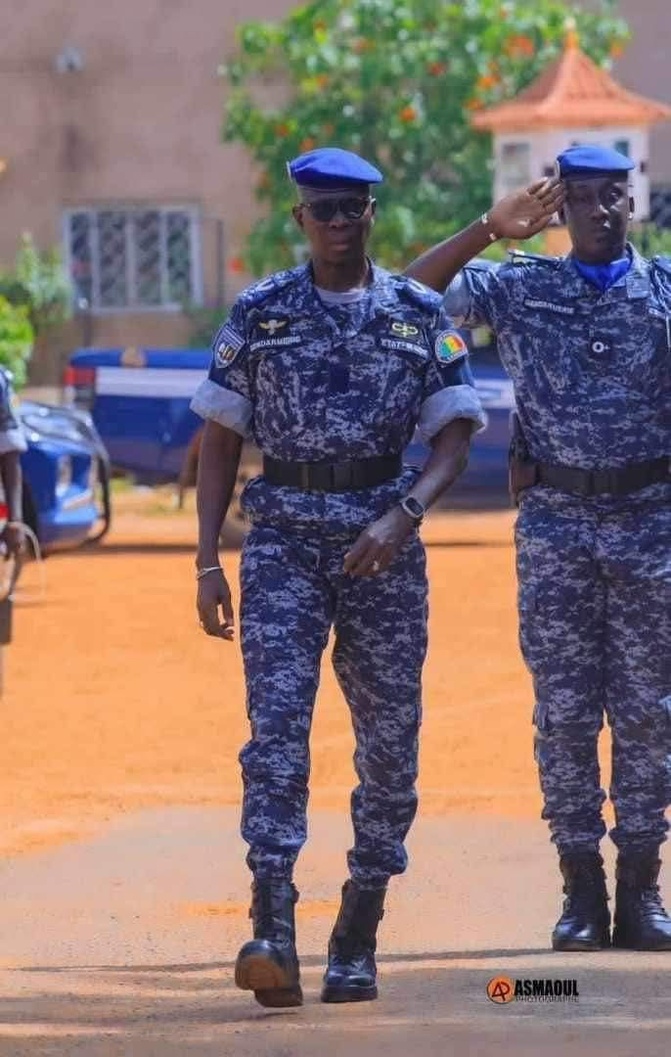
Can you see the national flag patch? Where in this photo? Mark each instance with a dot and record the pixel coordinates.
(450, 346)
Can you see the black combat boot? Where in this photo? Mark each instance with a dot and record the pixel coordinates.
(641, 922)
(268, 964)
(585, 921)
(351, 972)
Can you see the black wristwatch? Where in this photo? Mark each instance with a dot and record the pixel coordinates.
(414, 509)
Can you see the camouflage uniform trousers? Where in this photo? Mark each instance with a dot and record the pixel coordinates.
(595, 631)
(293, 591)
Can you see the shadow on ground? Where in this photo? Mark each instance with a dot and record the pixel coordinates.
(432, 1004)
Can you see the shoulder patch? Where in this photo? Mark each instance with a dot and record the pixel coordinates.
(664, 263)
(450, 346)
(227, 345)
(482, 264)
(259, 292)
(417, 293)
(522, 257)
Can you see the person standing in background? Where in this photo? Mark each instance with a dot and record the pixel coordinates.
(12, 443)
(586, 340)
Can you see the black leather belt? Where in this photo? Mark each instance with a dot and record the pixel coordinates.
(332, 476)
(615, 481)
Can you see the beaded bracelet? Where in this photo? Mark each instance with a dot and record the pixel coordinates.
(200, 573)
(484, 219)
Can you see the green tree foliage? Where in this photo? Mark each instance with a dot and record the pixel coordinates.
(42, 276)
(651, 240)
(16, 339)
(397, 81)
(39, 283)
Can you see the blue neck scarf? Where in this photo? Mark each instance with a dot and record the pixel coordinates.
(603, 276)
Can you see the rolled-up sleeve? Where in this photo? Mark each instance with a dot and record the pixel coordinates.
(225, 396)
(471, 297)
(12, 440)
(449, 391)
(457, 401)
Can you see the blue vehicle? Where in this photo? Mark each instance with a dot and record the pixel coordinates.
(139, 402)
(65, 476)
(485, 480)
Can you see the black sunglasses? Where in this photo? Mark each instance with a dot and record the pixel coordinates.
(352, 207)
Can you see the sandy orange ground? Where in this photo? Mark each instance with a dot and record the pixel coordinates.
(114, 698)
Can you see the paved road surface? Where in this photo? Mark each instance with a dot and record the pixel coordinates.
(122, 946)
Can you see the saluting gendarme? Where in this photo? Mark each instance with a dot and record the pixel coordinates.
(586, 340)
(329, 367)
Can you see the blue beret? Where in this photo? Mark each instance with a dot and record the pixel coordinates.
(329, 167)
(587, 160)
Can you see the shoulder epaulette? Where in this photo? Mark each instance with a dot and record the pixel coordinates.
(481, 264)
(662, 262)
(259, 292)
(522, 257)
(417, 293)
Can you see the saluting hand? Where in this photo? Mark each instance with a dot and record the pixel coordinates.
(375, 549)
(524, 213)
(213, 593)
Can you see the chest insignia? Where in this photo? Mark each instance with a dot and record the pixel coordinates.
(404, 330)
(271, 326)
(549, 306)
(397, 345)
(600, 346)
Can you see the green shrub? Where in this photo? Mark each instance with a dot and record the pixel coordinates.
(40, 282)
(16, 339)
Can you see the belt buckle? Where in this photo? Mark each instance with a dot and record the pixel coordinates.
(305, 476)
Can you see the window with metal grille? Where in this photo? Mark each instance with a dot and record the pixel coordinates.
(133, 259)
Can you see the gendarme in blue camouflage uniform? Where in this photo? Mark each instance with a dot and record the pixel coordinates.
(12, 443)
(588, 347)
(12, 438)
(310, 383)
(330, 384)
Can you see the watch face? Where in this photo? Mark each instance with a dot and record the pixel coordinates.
(413, 507)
